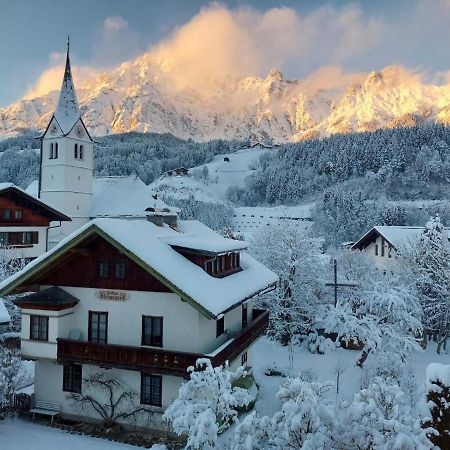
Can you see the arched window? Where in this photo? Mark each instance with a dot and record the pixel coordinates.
(55, 153)
(50, 155)
(81, 152)
(75, 152)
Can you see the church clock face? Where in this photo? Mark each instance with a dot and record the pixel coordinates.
(79, 131)
(53, 129)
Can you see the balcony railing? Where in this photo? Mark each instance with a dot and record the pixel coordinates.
(156, 360)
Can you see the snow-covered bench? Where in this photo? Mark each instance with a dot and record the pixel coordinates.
(46, 409)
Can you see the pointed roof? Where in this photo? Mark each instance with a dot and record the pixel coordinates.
(67, 111)
(150, 247)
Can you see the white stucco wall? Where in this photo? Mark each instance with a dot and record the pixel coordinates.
(32, 250)
(379, 259)
(49, 387)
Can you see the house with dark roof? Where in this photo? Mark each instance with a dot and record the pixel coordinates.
(25, 222)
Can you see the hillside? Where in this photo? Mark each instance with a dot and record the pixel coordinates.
(141, 95)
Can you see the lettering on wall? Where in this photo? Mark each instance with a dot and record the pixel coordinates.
(115, 296)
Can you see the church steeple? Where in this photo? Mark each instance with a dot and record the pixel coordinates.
(67, 111)
(67, 161)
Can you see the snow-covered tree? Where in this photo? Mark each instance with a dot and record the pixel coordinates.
(206, 404)
(305, 421)
(382, 312)
(10, 363)
(438, 396)
(296, 258)
(252, 433)
(430, 264)
(380, 417)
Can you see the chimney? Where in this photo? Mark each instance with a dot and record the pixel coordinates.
(159, 217)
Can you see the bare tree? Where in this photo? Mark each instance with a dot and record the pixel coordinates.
(104, 393)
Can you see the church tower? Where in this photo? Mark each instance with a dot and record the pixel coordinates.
(66, 166)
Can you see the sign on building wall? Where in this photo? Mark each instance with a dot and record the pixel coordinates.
(115, 296)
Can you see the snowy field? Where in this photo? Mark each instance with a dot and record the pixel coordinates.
(17, 434)
(324, 367)
(224, 174)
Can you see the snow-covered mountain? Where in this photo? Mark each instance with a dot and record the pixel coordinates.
(143, 95)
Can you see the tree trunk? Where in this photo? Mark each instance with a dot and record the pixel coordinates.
(442, 342)
(424, 340)
(362, 358)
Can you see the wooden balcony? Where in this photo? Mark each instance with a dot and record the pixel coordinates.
(156, 360)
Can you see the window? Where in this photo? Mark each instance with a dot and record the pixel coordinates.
(18, 214)
(7, 214)
(223, 266)
(104, 269)
(72, 376)
(152, 331)
(244, 359)
(220, 326)
(376, 249)
(382, 246)
(214, 266)
(151, 389)
(81, 155)
(4, 238)
(98, 327)
(50, 154)
(244, 315)
(39, 328)
(121, 269)
(75, 151)
(27, 237)
(55, 153)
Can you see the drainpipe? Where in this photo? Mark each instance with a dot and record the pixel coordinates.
(48, 228)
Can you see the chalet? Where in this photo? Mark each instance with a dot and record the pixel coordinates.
(145, 298)
(25, 222)
(383, 242)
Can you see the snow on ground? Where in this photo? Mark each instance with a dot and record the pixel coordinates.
(183, 187)
(266, 352)
(19, 434)
(223, 174)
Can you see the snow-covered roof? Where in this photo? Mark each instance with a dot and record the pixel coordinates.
(126, 196)
(67, 110)
(397, 236)
(151, 248)
(118, 197)
(4, 315)
(197, 236)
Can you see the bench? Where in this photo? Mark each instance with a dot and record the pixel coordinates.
(46, 409)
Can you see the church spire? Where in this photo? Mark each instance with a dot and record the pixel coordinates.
(67, 111)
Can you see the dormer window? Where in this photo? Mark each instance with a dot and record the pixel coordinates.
(223, 265)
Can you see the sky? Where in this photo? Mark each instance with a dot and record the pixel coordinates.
(301, 37)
